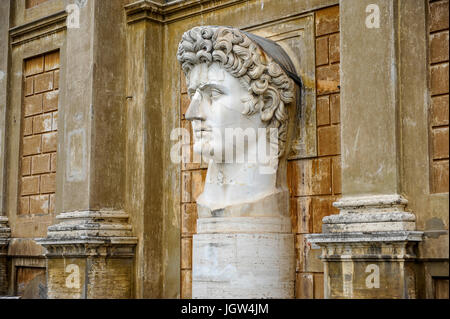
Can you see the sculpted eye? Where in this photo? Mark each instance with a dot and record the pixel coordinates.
(215, 93)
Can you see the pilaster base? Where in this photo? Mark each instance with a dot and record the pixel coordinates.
(369, 249)
(90, 255)
(243, 262)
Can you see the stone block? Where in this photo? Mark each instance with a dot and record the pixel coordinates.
(439, 110)
(334, 48)
(440, 143)
(39, 204)
(30, 185)
(186, 253)
(321, 207)
(439, 78)
(337, 175)
(321, 51)
(304, 286)
(27, 126)
(26, 166)
(318, 286)
(53, 162)
(311, 177)
(327, 78)
(55, 121)
(51, 61)
(29, 86)
(438, 15)
(189, 219)
(33, 105)
(43, 82)
(329, 140)
(186, 187)
(440, 178)
(335, 108)
(56, 79)
(52, 203)
(42, 123)
(24, 205)
(49, 142)
(34, 65)
(50, 101)
(303, 213)
(186, 284)
(31, 145)
(323, 110)
(48, 183)
(40, 164)
(327, 21)
(439, 47)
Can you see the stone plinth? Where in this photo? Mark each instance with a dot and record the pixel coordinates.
(369, 249)
(5, 234)
(243, 257)
(90, 255)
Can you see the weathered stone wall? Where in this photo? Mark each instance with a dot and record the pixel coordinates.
(436, 245)
(119, 114)
(438, 46)
(315, 182)
(39, 131)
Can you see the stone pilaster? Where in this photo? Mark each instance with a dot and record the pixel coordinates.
(90, 247)
(90, 255)
(369, 248)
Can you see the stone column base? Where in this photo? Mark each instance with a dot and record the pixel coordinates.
(90, 255)
(369, 249)
(244, 263)
(369, 265)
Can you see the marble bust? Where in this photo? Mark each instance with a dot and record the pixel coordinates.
(240, 83)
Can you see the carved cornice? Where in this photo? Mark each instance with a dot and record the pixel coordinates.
(90, 233)
(174, 11)
(38, 28)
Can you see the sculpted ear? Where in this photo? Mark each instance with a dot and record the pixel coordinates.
(271, 99)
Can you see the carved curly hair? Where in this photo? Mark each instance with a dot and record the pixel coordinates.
(271, 88)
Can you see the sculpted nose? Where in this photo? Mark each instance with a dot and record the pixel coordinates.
(194, 111)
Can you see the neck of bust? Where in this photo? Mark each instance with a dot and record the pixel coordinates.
(229, 184)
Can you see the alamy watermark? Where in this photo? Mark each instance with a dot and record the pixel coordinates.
(373, 17)
(229, 145)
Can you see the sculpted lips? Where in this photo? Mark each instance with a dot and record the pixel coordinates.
(201, 131)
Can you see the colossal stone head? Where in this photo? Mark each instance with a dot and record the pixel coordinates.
(235, 80)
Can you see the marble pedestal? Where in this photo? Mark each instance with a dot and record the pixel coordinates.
(243, 257)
